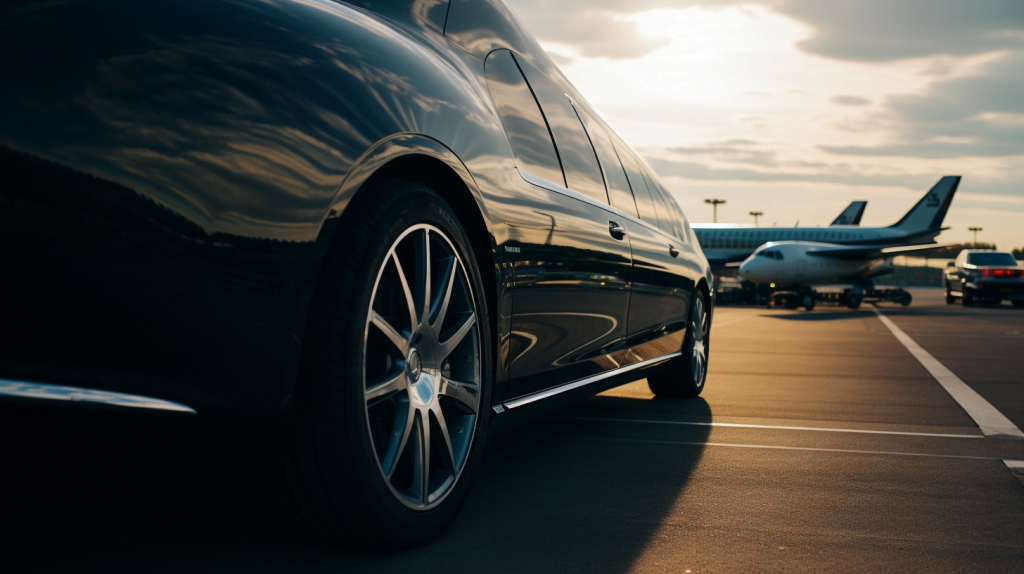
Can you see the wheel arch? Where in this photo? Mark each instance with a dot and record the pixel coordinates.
(424, 160)
(703, 287)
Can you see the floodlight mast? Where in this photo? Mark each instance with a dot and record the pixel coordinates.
(975, 230)
(714, 204)
(756, 214)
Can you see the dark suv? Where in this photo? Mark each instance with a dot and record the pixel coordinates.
(989, 276)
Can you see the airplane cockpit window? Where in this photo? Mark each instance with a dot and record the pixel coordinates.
(770, 254)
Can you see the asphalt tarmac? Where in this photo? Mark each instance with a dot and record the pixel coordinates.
(819, 444)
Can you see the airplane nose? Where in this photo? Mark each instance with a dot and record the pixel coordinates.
(748, 270)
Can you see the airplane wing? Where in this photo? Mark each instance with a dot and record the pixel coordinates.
(720, 262)
(873, 251)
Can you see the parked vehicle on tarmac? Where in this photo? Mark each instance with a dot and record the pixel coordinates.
(982, 276)
(393, 225)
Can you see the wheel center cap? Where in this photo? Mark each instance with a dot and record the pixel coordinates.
(414, 366)
(422, 380)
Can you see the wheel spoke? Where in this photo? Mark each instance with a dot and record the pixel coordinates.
(404, 421)
(445, 294)
(467, 325)
(443, 425)
(408, 293)
(460, 392)
(423, 278)
(380, 391)
(421, 457)
(397, 339)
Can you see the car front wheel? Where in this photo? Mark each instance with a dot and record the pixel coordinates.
(391, 405)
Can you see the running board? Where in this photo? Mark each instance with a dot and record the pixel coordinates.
(43, 392)
(540, 395)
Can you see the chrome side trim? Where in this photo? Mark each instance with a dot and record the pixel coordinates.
(539, 395)
(545, 184)
(43, 391)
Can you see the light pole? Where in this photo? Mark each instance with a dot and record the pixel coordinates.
(715, 203)
(756, 214)
(975, 230)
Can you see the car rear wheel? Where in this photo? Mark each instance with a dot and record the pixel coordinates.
(950, 299)
(685, 375)
(391, 405)
(968, 298)
(1018, 302)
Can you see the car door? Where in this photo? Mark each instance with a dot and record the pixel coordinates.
(665, 268)
(572, 266)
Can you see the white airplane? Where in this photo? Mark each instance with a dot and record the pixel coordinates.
(729, 243)
(799, 263)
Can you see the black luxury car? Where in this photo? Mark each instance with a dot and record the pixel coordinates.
(393, 226)
(984, 276)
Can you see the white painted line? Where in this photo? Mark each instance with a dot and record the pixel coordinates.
(772, 447)
(770, 427)
(1016, 469)
(987, 417)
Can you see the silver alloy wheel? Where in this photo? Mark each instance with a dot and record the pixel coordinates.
(698, 324)
(421, 367)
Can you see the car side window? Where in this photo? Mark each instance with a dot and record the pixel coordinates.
(582, 172)
(644, 203)
(614, 174)
(522, 119)
(682, 225)
(666, 215)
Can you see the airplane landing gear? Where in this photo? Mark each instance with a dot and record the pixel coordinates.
(796, 296)
(808, 301)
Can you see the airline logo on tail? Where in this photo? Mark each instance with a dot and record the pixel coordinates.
(928, 214)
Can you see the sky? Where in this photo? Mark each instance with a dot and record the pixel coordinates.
(797, 107)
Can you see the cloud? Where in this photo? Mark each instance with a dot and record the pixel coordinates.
(981, 115)
(849, 101)
(865, 30)
(732, 150)
(885, 30)
(691, 170)
(596, 28)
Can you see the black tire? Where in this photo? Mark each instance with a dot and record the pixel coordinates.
(684, 377)
(950, 299)
(967, 298)
(808, 302)
(1017, 302)
(906, 299)
(329, 467)
(854, 301)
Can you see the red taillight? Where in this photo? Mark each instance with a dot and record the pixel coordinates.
(1001, 273)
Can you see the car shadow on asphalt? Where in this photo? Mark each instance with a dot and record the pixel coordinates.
(89, 491)
(816, 315)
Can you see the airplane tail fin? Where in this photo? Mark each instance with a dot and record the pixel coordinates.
(928, 213)
(852, 214)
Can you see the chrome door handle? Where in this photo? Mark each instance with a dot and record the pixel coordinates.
(616, 230)
(673, 251)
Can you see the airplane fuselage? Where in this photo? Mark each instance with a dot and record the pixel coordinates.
(730, 242)
(796, 263)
